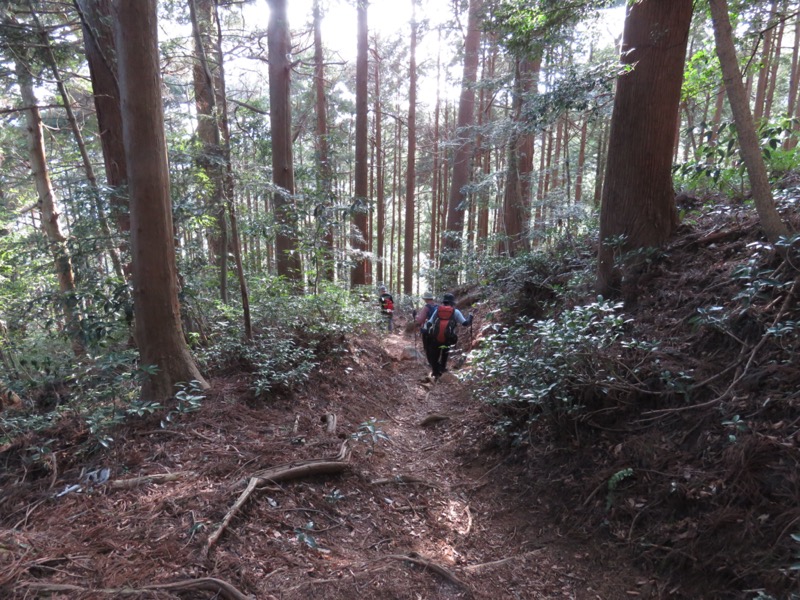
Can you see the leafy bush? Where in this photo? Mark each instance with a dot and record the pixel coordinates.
(553, 365)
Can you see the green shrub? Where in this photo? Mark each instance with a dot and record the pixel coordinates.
(554, 365)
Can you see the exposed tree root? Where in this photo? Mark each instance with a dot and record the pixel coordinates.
(416, 559)
(294, 470)
(433, 418)
(126, 484)
(500, 562)
(220, 589)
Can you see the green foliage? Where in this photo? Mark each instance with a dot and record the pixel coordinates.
(370, 433)
(718, 164)
(554, 365)
(291, 333)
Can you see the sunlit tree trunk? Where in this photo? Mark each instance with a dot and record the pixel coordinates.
(47, 203)
(287, 254)
(380, 175)
(638, 207)
(87, 163)
(361, 202)
(155, 283)
(745, 127)
(773, 67)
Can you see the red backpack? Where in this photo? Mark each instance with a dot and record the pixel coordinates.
(444, 325)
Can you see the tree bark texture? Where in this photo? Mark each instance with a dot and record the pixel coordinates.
(360, 233)
(745, 126)
(638, 207)
(47, 205)
(98, 40)
(462, 160)
(279, 46)
(155, 284)
(411, 177)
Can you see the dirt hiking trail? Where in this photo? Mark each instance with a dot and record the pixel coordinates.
(422, 507)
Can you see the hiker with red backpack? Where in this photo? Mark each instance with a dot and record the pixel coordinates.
(440, 331)
(387, 307)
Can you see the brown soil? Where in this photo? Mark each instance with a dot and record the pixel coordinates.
(423, 514)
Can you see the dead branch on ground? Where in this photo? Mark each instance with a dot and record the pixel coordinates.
(416, 559)
(221, 589)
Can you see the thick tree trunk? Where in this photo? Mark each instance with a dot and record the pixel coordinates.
(462, 160)
(638, 207)
(155, 282)
(98, 40)
(287, 254)
(745, 128)
(517, 194)
(411, 178)
(361, 191)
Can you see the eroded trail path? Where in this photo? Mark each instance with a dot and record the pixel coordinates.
(466, 513)
(428, 513)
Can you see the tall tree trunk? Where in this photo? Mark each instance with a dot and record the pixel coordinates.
(361, 202)
(47, 204)
(228, 188)
(380, 184)
(745, 127)
(463, 154)
(98, 40)
(325, 172)
(411, 179)
(638, 207)
(155, 283)
(517, 194)
(775, 63)
(763, 71)
(279, 44)
(206, 80)
(87, 163)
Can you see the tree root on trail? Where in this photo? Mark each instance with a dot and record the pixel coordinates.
(126, 484)
(220, 589)
(416, 559)
(502, 561)
(433, 418)
(293, 470)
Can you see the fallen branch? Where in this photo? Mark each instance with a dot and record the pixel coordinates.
(284, 472)
(221, 589)
(416, 559)
(125, 484)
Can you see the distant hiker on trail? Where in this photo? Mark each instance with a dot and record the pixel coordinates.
(387, 307)
(440, 329)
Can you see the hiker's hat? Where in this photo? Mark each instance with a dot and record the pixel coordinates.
(382, 288)
(448, 297)
(427, 295)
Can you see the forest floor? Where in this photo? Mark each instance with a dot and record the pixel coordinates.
(371, 483)
(423, 513)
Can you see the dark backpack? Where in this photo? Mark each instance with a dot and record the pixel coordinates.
(444, 326)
